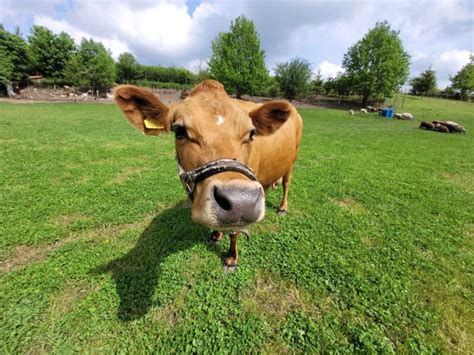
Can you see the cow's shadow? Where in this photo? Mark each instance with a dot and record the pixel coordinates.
(137, 273)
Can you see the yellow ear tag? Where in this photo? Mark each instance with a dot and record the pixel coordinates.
(152, 125)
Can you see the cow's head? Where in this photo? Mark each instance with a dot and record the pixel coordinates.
(209, 126)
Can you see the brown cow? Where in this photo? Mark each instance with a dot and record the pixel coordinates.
(458, 129)
(217, 140)
(427, 125)
(441, 128)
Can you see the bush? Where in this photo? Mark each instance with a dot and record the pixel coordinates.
(92, 66)
(272, 88)
(50, 82)
(293, 77)
(162, 85)
(165, 75)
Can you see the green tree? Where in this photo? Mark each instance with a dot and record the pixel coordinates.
(377, 65)
(6, 68)
(49, 52)
(272, 88)
(342, 85)
(92, 66)
(293, 77)
(237, 60)
(14, 56)
(317, 85)
(127, 68)
(425, 84)
(464, 79)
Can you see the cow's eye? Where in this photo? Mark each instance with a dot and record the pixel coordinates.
(252, 135)
(179, 131)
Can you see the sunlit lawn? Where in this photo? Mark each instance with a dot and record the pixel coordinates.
(99, 254)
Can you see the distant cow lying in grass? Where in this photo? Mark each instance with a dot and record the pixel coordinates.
(453, 127)
(427, 125)
(228, 151)
(372, 109)
(442, 126)
(404, 116)
(458, 129)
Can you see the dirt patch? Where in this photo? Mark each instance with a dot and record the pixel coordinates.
(273, 347)
(456, 326)
(264, 227)
(124, 175)
(470, 230)
(16, 188)
(462, 180)
(170, 96)
(60, 304)
(116, 145)
(275, 299)
(168, 314)
(70, 218)
(60, 95)
(167, 96)
(64, 301)
(368, 241)
(24, 255)
(349, 204)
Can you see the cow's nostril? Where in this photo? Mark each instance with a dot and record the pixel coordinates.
(221, 200)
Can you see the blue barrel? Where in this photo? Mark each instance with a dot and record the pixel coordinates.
(388, 112)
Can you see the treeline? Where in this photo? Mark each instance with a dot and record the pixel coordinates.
(462, 84)
(425, 84)
(131, 72)
(237, 60)
(59, 61)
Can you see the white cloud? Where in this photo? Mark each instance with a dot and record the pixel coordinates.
(328, 70)
(417, 56)
(159, 32)
(444, 64)
(454, 60)
(196, 65)
(20, 12)
(165, 28)
(115, 45)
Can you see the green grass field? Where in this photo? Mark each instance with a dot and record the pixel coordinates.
(99, 254)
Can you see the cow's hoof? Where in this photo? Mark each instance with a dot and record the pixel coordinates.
(229, 269)
(216, 237)
(230, 264)
(282, 212)
(230, 261)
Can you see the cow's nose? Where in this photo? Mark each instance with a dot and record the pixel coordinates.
(237, 205)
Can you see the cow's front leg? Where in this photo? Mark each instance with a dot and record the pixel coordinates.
(233, 254)
(286, 187)
(216, 236)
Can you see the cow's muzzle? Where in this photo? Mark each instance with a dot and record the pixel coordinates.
(228, 203)
(237, 204)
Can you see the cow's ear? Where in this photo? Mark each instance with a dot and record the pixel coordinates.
(270, 116)
(143, 109)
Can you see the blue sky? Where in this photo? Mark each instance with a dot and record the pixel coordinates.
(439, 33)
